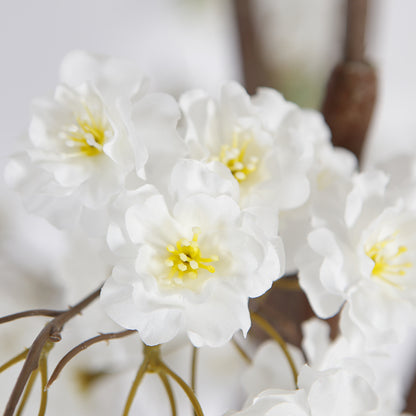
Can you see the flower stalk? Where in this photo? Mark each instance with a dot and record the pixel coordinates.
(152, 363)
(266, 327)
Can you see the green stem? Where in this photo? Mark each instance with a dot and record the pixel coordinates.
(14, 360)
(139, 377)
(43, 369)
(28, 390)
(193, 368)
(243, 354)
(169, 391)
(266, 327)
(188, 391)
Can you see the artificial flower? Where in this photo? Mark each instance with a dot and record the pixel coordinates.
(366, 260)
(91, 140)
(318, 395)
(191, 261)
(261, 143)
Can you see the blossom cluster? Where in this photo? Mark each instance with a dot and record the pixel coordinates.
(203, 203)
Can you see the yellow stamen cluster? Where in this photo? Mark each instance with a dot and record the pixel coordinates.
(234, 157)
(185, 260)
(88, 135)
(385, 256)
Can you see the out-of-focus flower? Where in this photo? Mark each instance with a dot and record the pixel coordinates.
(323, 354)
(329, 177)
(90, 141)
(270, 369)
(190, 263)
(318, 394)
(366, 260)
(401, 171)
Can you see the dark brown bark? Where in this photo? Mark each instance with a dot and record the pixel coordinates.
(50, 333)
(285, 310)
(254, 71)
(349, 103)
(354, 46)
(411, 398)
(352, 87)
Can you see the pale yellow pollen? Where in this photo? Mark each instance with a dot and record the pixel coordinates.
(184, 257)
(193, 264)
(185, 260)
(234, 157)
(385, 257)
(88, 135)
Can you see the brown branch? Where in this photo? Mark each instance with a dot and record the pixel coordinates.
(51, 332)
(84, 345)
(32, 312)
(355, 33)
(352, 88)
(252, 63)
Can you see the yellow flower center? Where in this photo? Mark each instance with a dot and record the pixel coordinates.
(386, 256)
(185, 260)
(88, 135)
(234, 157)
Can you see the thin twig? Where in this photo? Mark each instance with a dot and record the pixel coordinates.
(51, 332)
(169, 392)
(263, 324)
(32, 312)
(243, 354)
(188, 391)
(72, 353)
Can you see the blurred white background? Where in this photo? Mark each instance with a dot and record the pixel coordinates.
(193, 43)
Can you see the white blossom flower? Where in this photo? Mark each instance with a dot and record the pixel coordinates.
(91, 140)
(276, 155)
(190, 266)
(329, 177)
(374, 366)
(263, 143)
(337, 391)
(366, 260)
(270, 369)
(401, 171)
